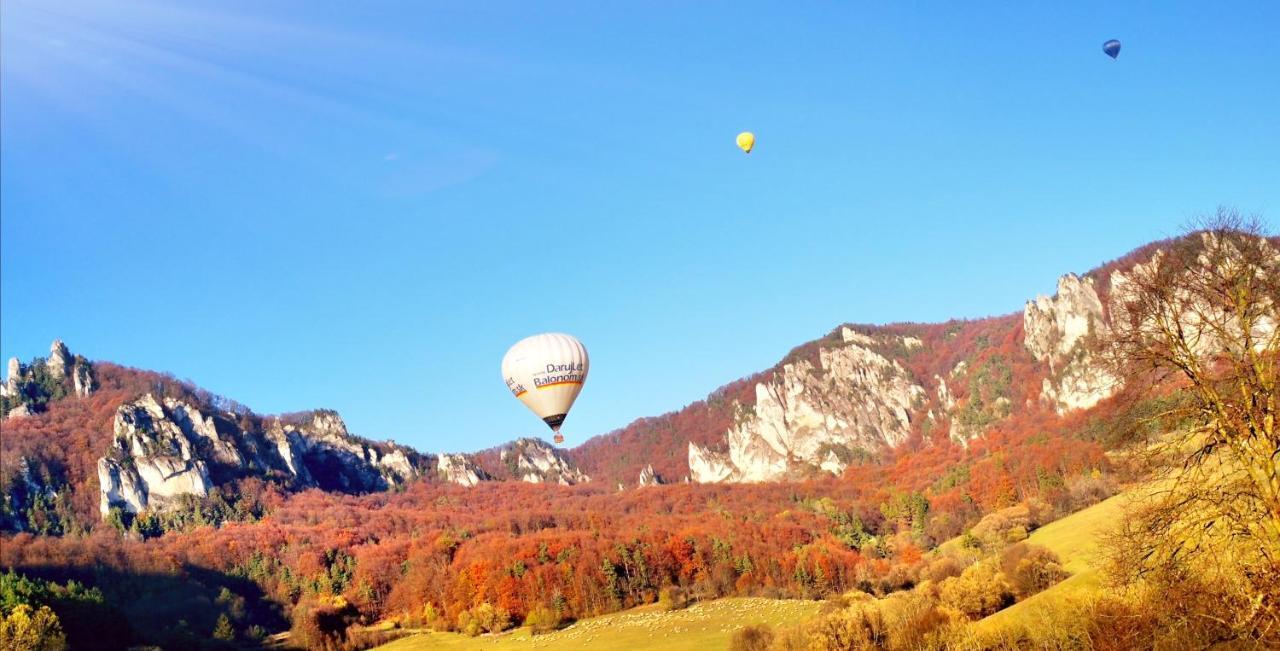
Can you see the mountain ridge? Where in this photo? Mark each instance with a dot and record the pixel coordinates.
(861, 391)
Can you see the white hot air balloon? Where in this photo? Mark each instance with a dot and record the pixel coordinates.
(546, 373)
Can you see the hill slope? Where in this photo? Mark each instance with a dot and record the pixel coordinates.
(1076, 539)
(706, 625)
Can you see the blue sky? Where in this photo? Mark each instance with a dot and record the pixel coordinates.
(315, 205)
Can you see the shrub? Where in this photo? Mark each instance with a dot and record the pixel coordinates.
(791, 638)
(1016, 534)
(1088, 489)
(321, 625)
(993, 529)
(1116, 623)
(979, 591)
(914, 622)
(673, 598)
(1031, 568)
(468, 624)
(490, 619)
(941, 568)
(34, 629)
(542, 620)
(861, 627)
(755, 637)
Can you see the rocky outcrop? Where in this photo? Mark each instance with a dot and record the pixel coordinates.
(535, 461)
(152, 460)
(12, 378)
(27, 388)
(459, 469)
(82, 379)
(167, 448)
(59, 362)
(707, 466)
(1061, 332)
(832, 463)
(648, 477)
(811, 416)
(21, 411)
(318, 451)
(946, 401)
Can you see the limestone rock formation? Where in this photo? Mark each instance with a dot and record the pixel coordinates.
(21, 411)
(459, 469)
(170, 447)
(812, 416)
(649, 478)
(59, 362)
(708, 466)
(319, 451)
(536, 461)
(1060, 331)
(12, 378)
(27, 388)
(152, 460)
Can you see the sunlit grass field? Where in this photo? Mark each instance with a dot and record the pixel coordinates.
(707, 625)
(1076, 539)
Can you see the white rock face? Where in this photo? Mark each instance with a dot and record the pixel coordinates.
(349, 464)
(945, 399)
(854, 398)
(1057, 331)
(832, 464)
(197, 426)
(458, 469)
(288, 445)
(60, 365)
(707, 466)
(535, 461)
(152, 460)
(14, 376)
(21, 411)
(119, 488)
(648, 477)
(166, 449)
(59, 359)
(397, 464)
(83, 379)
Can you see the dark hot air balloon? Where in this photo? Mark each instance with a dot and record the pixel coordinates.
(1112, 48)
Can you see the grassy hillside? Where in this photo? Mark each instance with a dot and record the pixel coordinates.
(1075, 539)
(706, 625)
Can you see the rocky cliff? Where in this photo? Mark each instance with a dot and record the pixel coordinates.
(1062, 332)
(28, 388)
(536, 461)
(649, 478)
(166, 448)
(816, 416)
(858, 393)
(459, 469)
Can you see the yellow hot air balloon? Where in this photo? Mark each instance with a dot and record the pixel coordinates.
(746, 141)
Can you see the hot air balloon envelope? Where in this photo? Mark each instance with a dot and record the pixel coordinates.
(546, 373)
(746, 141)
(1112, 48)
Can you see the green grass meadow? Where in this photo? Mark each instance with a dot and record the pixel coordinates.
(707, 625)
(1075, 539)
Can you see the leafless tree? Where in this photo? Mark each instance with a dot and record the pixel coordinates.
(1197, 325)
